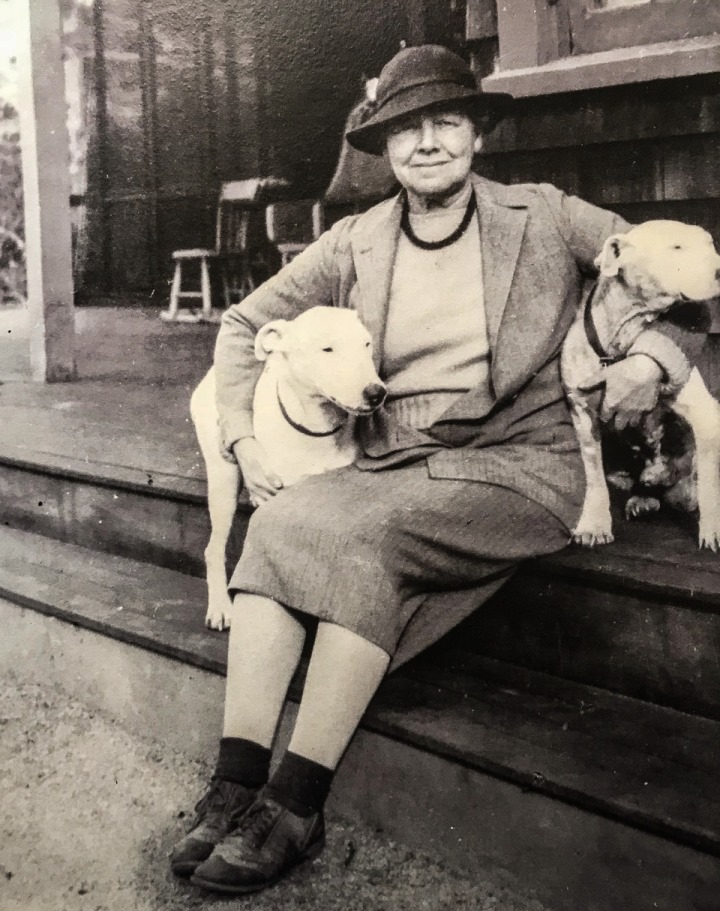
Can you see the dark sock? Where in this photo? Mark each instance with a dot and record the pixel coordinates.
(300, 784)
(243, 762)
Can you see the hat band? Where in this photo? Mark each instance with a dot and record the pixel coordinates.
(406, 89)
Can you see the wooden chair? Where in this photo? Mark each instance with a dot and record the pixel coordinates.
(236, 203)
(292, 226)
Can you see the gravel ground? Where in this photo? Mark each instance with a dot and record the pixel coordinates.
(89, 813)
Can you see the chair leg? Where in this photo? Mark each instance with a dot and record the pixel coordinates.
(205, 288)
(171, 312)
(225, 286)
(247, 283)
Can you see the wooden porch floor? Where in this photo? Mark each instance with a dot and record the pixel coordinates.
(127, 411)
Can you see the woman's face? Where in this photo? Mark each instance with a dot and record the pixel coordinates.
(431, 153)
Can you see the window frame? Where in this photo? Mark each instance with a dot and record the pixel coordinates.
(536, 51)
(654, 21)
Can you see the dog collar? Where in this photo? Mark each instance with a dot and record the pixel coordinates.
(300, 428)
(592, 335)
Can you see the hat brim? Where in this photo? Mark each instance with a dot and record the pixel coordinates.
(489, 107)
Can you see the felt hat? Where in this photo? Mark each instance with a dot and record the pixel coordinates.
(423, 77)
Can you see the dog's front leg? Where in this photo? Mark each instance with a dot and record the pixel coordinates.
(595, 524)
(223, 489)
(702, 412)
(223, 481)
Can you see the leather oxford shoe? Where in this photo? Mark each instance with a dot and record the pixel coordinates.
(268, 842)
(217, 813)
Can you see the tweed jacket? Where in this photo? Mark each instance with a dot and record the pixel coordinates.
(538, 248)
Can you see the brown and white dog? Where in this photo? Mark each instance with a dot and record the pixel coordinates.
(642, 274)
(318, 374)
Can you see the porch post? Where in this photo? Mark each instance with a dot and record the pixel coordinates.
(46, 187)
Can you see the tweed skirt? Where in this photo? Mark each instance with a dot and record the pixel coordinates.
(395, 556)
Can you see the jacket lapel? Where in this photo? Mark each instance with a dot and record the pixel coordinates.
(373, 250)
(501, 232)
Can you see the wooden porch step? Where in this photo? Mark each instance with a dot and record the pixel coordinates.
(650, 768)
(155, 516)
(639, 617)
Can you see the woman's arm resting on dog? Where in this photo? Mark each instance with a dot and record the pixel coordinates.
(306, 282)
(676, 340)
(675, 345)
(583, 227)
(259, 482)
(630, 388)
(663, 353)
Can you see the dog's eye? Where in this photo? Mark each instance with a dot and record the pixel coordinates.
(677, 247)
(367, 344)
(327, 349)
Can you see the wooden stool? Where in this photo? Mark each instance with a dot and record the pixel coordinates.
(237, 200)
(204, 294)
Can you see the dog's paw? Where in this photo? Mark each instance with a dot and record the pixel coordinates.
(591, 538)
(589, 532)
(709, 538)
(640, 506)
(218, 619)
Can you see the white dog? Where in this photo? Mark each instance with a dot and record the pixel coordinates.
(642, 274)
(318, 373)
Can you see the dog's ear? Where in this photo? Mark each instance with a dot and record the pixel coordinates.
(270, 338)
(611, 257)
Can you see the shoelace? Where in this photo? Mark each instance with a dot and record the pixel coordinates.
(236, 814)
(220, 799)
(214, 799)
(257, 821)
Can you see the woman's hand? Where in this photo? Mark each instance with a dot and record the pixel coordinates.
(261, 483)
(632, 387)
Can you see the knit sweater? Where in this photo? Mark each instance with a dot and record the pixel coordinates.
(435, 345)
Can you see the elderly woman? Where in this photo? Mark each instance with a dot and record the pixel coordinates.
(467, 288)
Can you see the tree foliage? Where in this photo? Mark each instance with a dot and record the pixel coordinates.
(12, 235)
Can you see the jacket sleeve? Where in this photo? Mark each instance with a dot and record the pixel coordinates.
(676, 341)
(675, 345)
(307, 281)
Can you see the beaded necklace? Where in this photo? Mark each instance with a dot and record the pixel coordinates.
(446, 241)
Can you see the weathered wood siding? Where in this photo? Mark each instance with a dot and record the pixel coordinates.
(650, 150)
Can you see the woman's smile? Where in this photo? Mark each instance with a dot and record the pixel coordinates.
(413, 147)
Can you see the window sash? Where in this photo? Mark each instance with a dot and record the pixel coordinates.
(600, 28)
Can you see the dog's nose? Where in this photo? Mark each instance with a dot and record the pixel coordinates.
(374, 394)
